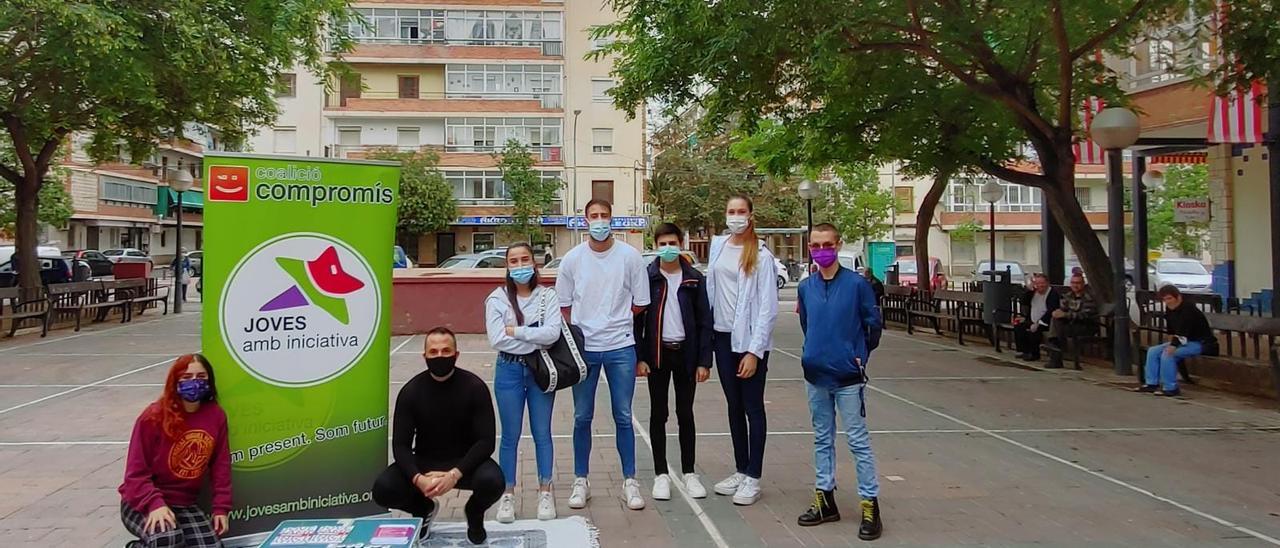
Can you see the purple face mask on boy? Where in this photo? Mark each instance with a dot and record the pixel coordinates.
(823, 256)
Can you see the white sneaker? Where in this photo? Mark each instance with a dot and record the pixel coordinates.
(631, 494)
(748, 492)
(581, 493)
(546, 506)
(507, 508)
(729, 485)
(662, 487)
(693, 484)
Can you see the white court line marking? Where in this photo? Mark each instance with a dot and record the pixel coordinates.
(678, 481)
(1140, 490)
(90, 333)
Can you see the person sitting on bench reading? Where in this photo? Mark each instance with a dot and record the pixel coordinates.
(1189, 336)
(1028, 330)
(1076, 317)
(442, 434)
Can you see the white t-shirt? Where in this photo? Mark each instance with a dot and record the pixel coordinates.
(601, 288)
(1039, 305)
(672, 319)
(726, 270)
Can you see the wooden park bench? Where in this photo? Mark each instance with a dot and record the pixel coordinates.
(1246, 361)
(18, 305)
(139, 293)
(1075, 343)
(962, 310)
(896, 303)
(76, 298)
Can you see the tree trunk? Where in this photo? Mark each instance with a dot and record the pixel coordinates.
(1062, 204)
(924, 218)
(27, 196)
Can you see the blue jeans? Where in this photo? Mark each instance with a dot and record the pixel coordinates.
(513, 386)
(1162, 368)
(620, 370)
(848, 401)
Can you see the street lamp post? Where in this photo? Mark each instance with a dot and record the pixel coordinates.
(1115, 129)
(992, 192)
(179, 183)
(808, 190)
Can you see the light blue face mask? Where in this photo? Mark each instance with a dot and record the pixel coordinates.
(522, 274)
(668, 253)
(599, 230)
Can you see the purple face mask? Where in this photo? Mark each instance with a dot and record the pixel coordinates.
(823, 256)
(193, 390)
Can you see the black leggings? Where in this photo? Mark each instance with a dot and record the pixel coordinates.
(745, 398)
(673, 368)
(393, 490)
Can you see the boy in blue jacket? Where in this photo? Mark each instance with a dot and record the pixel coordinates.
(837, 311)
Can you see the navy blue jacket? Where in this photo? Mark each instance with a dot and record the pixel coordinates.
(695, 311)
(841, 312)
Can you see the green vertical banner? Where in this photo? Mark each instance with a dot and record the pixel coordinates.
(297, 293)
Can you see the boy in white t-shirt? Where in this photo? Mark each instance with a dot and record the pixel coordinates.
(602, 285)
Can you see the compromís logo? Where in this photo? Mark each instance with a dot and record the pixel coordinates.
(300, 309)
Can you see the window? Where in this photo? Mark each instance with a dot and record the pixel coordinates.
(904, 197)
(1085, 197)
(407, 137)
(600, 90)
(904, 250)
(286, 139)
(502, 81)
(602, 140)
(286, 85)
(473, 187)
(408, 87)
(602, 190)
(481, 242)
(598, 44)
(963, 252)
(127, 192)
(1017, 198)
(510, 28)
(349, 136)
(397, 25)
(489, 134)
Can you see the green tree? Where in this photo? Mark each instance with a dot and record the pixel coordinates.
(1180, 183)
(855, 204)
(426, 203)
(531, 195)
(838, 72)
(55, 203)
(692, 179)
(131, 73)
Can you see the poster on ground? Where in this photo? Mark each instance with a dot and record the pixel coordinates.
(347, 533)
(296, 323)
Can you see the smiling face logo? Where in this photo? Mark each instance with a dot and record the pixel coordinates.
(228, 184)
(317, 282)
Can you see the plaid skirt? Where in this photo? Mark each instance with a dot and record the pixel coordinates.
(194, 529)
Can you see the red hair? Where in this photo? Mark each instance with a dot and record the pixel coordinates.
(167, 410)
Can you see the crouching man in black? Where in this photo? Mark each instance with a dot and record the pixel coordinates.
(442, 434)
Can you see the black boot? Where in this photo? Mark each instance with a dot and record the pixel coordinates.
(870, 529)
(822, 510)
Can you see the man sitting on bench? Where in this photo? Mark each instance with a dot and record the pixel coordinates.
(1189, 336)
(1076, 317)
(442, 434)
(1027, 331)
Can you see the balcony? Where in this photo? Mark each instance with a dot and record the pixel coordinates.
(451, 156)
(446, 102)
(1167, 56)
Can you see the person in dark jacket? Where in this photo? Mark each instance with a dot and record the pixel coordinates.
(837, 311)
(674, 347)
(1038, 305)
(876, 285)
(1189, 336)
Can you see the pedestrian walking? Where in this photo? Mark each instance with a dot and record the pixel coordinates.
(743, 292)
(179, 443)
(602, 285)
(1189, 336)
(837, 313)
(522, 318)
(674, 334)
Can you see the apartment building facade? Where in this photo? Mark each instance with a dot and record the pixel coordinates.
(462, 78)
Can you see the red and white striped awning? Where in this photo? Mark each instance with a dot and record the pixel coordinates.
(1237, 118)
(1087, 151)
(1179, 158)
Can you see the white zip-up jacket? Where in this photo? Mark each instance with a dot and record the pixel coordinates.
(498, 314)
(757, 308)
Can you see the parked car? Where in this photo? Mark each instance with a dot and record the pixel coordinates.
(99, 264)
(908, 274)
(1188, 275)
(1017, 274)
(54, 268)
(197, 263)
(128, 255)
(401, 259)
(553, 263)
(475, 260)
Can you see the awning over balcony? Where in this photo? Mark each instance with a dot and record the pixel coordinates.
(167, 198)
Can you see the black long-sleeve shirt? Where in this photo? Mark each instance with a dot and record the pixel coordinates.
(1188, 321)
(443, 424)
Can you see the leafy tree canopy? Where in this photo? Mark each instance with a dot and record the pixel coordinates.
(531, 195)
(426, 199)
(1180, 183)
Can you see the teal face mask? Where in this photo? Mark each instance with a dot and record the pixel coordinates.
(522, 274)
(668, 253)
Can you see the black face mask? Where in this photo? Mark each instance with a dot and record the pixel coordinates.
(441, 366)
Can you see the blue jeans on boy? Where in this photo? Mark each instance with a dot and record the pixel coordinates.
(620, 370)
(1162, 368)
(513, 386)
(848, 401)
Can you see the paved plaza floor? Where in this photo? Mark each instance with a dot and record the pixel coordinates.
(972, 450)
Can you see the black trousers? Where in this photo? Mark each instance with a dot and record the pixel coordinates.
(1027, 341)
(393, 489)
(673, 369)
(745, 400)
